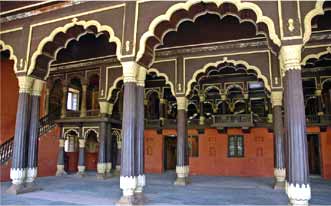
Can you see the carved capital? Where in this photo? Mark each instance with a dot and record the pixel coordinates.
(202, 98)
(81, 143)
(25, 83)
(276, 98)
(141, 76)
(104, 107)
(110, 108)
(61, 142)
(130, 71)
(37, 87)
(290, 58)
(318, 92)
(181, 103)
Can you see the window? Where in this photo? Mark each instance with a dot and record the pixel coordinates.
(73, 99)
(236, 146)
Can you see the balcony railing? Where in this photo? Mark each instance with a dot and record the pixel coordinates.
(89, 113)
(170, 123)
(315, 119)
(238, 120)
(152, 123)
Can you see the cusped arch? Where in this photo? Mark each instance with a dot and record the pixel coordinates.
(315, 56)
(70, 130)
(325, 81)
(235, 62)
(85, 24)
(318, 10)
(12, 56)
(183, 9)
(165, 76)
(113, 87)
(91, 130)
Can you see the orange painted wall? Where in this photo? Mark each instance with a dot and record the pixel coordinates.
(47, 156)
(8, 100)
(213, 154)
(153, 152)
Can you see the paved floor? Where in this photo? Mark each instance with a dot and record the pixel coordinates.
(203, 190)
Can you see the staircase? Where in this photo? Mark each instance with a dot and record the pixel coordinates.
(46, 123)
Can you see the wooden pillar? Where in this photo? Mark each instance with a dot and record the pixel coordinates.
(64, 99)
(128, 179)
(139, 143)
(34, 134)
(279, 161)
(202, 116)
(81, 157)
(83, 103)
(318, 94)
(109, 151)
(19, 160)
(60, 156)
(161, 110)
(297, 181)
(102, 162)
(182, 166)
(48, 89)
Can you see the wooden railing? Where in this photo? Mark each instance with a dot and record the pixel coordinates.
(46, 123)
(152, 123)
(238, 120)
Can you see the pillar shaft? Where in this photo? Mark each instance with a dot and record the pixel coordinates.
(60, 157)
(319, 105)
(101, 166)
(64, 102)
(202, 117)
(161, 108)
(83, 103)
(109, 151)
(297, 186)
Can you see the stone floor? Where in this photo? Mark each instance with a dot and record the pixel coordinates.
(203, 190)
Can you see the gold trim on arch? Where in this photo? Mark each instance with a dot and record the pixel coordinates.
(235, 62)
(63, 29)
(309, 17)
(165, 76)
(12, 56)
(315, 56)
(111, 89)
(187, 5)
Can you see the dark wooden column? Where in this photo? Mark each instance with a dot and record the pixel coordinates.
(60, 156)
(279, 161)
(318, 94)
(139, 166)
(128, 179)
(83, 102)
(19, 160)
(81, 154)
(182, 166)
(64, 99)
(101, 166)
(297, 184)
(202, 116)
(162, 110)
(109, 151)
(34, 134)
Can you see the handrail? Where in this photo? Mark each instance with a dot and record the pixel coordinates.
(46, 123)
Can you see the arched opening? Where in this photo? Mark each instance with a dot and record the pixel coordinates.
(91, 150)
(55, 98)
(71, 149)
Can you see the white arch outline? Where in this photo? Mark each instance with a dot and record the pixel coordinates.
(89, 130)
(324, 81)
(160, 74)
(85, 24)
(315, 56)
(318, 10)
(187, 5)
(12, 55)
(71, 130)
(235, 62)
(111, 89)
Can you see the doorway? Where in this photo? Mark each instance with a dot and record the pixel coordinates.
(314, 154)
(170, 151)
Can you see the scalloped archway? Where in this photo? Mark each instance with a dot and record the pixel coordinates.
(3, 47)
(91, 26)
(180, 12)
(235, 62)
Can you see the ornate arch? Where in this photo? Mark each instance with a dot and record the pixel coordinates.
(12, 56)
(91, 130)
(165, 76)
(151, 91)
(113, 87)
(318, 10)
(235, 62)
(118, 134)
(324, 81)
(70, 130)
(85, 24)
(156, 36)
(315, 56)
(234, 86)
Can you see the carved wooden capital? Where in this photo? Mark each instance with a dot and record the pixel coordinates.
(141, 76)
(130, 71)
(25, 84)
(37, 87)
(290, 57)
(181, 103)
(276, 98)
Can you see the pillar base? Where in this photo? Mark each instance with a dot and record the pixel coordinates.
(60, 170)
(127, 200)
(279, 185)
(298, 194)
(140, 198)
(15, 189)
(182, 181)
(101, 176)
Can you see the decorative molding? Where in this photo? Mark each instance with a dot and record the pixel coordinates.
(181, 103)
(101, 168)
(182, 171)
(298, 194)
(81, 143)
(318, 10)
(128, 185)
(12, 56)
(37, 87)
(315, 56)
(25, 83)
(130, 71)
(280, 174)
(108, 167)
(290, 58)
(141, 182)
(276, 98)
(141, 76)
(31, 174)
(17, 175)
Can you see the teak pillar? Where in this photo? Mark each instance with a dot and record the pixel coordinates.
(64, 99)
(109, 138)
(18, 168)
(128, 179)
(202, 117)
(182, 166)
(83, 103)
(81, 158)
(139, 143)
(102, 165)
(297, 182)
(162, 109)
(34, 134)
(279, 161)
(60, 157)
(318, 94)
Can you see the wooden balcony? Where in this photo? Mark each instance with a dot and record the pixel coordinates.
(238, 120)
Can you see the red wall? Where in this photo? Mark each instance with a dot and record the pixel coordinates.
(153, 152)
(213, 154)
(8, 100)
(325, 147)
(47, 156)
